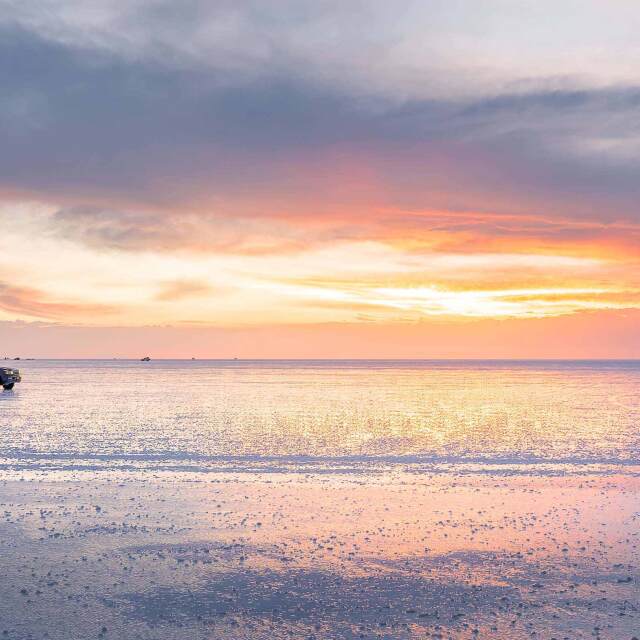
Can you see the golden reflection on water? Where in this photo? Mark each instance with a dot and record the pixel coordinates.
(462, 412)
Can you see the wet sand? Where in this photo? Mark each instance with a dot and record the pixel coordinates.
(166, 555)
(326, 500)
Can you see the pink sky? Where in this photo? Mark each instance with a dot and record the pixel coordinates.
(601, 335)
(347, 180)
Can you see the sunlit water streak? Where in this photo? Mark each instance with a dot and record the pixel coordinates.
(273, 415)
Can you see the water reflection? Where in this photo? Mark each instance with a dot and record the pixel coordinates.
(492, 411)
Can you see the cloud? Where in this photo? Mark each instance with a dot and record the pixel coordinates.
(250, 143)
(415, 232)
(417, 46)
(181, 289)
(31, 303)
(112, 116)
(161, 230)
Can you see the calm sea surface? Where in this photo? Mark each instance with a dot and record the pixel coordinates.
(322, 414)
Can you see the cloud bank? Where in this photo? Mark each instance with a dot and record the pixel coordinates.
(282, 160)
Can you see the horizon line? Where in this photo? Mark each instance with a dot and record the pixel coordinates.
(249, 359)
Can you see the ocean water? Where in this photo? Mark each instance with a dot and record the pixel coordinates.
(526, 416)
(243, 500)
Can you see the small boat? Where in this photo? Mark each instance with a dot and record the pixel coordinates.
(145, 359)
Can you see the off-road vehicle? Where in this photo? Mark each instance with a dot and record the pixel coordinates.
(8, 377)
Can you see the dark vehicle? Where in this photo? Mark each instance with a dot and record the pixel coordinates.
(8, 377)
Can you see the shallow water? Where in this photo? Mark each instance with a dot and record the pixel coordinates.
(320, 500)
(208, 414)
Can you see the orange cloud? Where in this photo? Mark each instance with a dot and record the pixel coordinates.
(29, 302)
(180, 289)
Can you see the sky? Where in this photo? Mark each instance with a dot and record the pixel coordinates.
(263, 178)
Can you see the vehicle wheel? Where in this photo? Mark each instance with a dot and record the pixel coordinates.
(8, 387)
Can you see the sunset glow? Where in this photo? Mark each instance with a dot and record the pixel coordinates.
(233, 182)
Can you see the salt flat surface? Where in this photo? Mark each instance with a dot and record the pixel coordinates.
(320, 500)
(258, 556)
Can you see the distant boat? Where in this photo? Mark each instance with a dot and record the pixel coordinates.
(145, 359)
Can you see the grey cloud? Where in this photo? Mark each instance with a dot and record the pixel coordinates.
(161, 230)
(239, 38)
(82, 122)
(102, 125)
